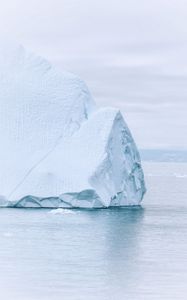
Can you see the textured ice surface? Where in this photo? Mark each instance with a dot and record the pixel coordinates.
(57, 148)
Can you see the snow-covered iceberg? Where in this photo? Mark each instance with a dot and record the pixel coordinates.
(57, 148)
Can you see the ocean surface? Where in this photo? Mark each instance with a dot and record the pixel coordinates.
(135, 253)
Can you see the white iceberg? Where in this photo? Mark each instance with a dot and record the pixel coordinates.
(57, 148)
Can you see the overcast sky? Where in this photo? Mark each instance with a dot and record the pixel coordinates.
(131, 53)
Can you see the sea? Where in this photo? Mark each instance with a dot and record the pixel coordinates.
(127, 253)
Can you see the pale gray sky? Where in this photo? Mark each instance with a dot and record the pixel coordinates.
(131, 53)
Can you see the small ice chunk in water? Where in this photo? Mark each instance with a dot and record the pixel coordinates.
(61, 211)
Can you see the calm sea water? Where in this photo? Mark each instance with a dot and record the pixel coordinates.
(135, 253)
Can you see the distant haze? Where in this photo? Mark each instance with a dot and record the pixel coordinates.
(131, 53)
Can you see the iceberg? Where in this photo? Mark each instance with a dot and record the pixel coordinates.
(58, 149)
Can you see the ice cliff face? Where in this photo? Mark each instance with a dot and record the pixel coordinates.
(57, 149)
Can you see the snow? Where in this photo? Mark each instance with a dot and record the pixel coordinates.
(59, 150)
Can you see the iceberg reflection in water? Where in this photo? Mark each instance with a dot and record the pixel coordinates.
(59, 256)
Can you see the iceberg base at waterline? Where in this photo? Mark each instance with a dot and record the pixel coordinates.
(59, 149)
